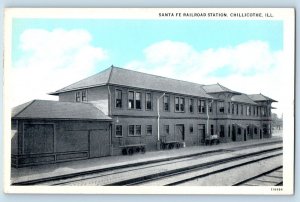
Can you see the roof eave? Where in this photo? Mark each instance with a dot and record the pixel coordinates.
(74, 89)
(64, 119)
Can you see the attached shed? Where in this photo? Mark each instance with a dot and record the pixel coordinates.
(49, 132)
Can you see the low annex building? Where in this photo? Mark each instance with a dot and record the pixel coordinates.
(50, 131)
(137, 108)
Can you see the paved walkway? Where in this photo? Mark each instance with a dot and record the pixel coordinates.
(65, 168)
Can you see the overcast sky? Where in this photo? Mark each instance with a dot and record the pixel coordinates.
(245, 56)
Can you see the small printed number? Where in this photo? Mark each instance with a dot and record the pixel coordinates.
(277, 189)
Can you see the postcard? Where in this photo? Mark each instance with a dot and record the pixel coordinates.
(149, 100)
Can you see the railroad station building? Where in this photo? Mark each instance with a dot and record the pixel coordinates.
(125, 107)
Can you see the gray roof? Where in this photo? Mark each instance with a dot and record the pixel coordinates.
(243, 98)
(48, 109)
(260, 97)
(218, 88)
(125, 77)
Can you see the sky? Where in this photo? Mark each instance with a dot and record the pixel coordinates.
(243, 55)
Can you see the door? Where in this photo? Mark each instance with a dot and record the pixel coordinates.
(179, 132)
(233, 133)
(260, 134)
(201, 134)
(245, 135)
(99, 143)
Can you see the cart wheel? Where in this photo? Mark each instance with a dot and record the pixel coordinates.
(177, 145)
(143, 150)
(130, 151)
(124, 151)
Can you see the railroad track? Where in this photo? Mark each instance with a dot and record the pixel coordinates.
(180, 176)
(160, 174)
(272, 177)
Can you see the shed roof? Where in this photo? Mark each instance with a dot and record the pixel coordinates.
(125, 77)
(48, 109)
(260, 97)
(243, 98)
(218, 88)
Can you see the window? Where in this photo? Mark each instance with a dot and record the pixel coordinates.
(130, 100)
(149, 129)
(255, 130)
(119, 131)
(210, 109)
(167, 129)
(221, 107)
(232, 108)
(179, 104)
(222, 131)
(211, 129)
(131, 130)
(248, 130)
(148, 101)
(237, 109)
(229, 131)
(248, 111)
(166, 102)
(191, 128)
(138, 101)
(239, 131)
(242, 109)
(250, 108)
(256, 111)
(84, 95)
(229, 107)
(138, 129)
(191, 105)
(78, 97)
(118, 99)
(81, 96)
(176, 104)
(201, 106)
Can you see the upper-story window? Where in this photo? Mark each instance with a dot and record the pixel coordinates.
(84, 96)
(237, 109)
(201, 106)
(232, 108)
(257, 111)
(148, 101)
(210, 107)
(242, 110)
(248, 111)
(221, 107)
(191, 105)
(118, 99)
(81, 96)
(228, 107)
(134, 100)
(179, 104)
(130, 99)
(166, 103)
(78, 96)
(138, 100)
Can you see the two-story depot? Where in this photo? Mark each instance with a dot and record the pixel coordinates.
(98, 115)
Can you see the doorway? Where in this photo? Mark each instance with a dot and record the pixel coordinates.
(179, 132)
(98, 143)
